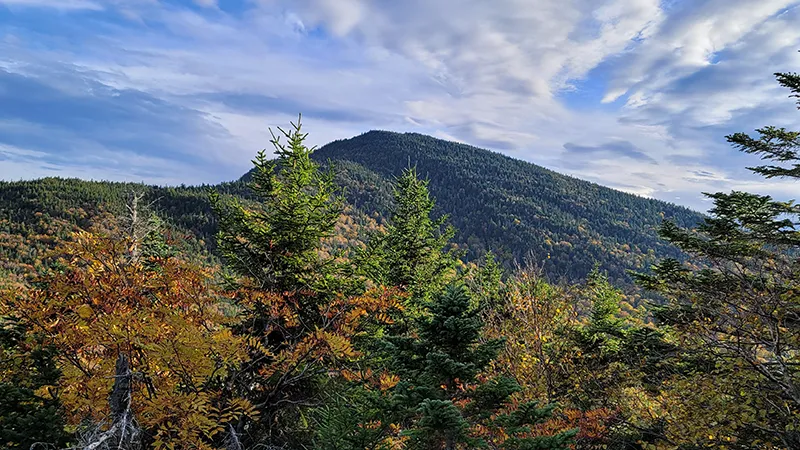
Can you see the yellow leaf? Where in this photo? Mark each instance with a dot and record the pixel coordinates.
(85, 311)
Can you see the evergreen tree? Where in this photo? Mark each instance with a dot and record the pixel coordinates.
(485, 282)
(27, 416)
(412, 254)
(283, 282)
(444, 401)
(741, 309)
(277, 241)
(605, 330)
(597, 360)
(432, 394)
(432, 366)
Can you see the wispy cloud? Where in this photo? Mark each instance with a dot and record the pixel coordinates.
(622, 149)
(54, 4)
(634, 94)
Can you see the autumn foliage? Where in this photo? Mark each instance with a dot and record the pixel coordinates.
(103, 297)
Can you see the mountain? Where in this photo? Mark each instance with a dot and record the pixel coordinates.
(518, 210)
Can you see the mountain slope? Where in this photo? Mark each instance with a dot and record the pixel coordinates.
(519, 210)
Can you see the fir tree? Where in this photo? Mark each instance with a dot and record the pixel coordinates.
(485, 281)
(441, 393)
(431, 394)
(26, 416)
(277, 241)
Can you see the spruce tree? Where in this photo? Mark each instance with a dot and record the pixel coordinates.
(485, 282)
(441, 396)
(412, 254)
(27, 416)
(432, 394)
(282, 282)
(276, 242)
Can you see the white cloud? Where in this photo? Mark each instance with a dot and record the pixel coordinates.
(688, 40)
(493, 74)
(55, 4)
(480, 48)
(18, 163)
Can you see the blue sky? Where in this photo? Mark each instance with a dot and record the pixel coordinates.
(634, 94)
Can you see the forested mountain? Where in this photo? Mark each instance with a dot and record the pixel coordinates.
(35, 215)
(518, 210)
(521, 211)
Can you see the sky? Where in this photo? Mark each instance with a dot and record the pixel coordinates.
(637, 95)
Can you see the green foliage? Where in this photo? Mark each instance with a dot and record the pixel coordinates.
(439, 425)
(36, 215)
(447, 348)
(273, 247)
(614, 366)
(773, 143)
(432, 394)
(518, 421)
(278, 242)
(412, 253)
(435, 376)
(741, 310)
(439, 383)
(345, 422)
(29, 411)
(515, 209)
(606, 331)
(601, 344)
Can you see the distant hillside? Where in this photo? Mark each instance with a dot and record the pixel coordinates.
(519, 210)
(34, 215)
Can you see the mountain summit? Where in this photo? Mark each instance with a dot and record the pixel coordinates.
(520, 210)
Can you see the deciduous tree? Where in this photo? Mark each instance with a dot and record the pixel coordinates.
(108, 297)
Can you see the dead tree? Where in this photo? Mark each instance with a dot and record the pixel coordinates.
(124, 433)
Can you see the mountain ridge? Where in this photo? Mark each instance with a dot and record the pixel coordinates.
(379, 132)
